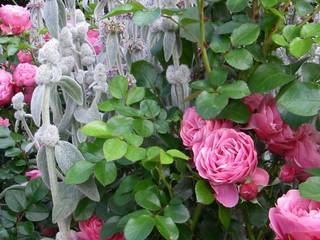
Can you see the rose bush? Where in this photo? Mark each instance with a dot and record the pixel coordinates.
(161, 119)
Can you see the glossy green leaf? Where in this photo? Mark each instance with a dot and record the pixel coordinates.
(79, 172)
(135, 94)
(148, 200)
(204, 193)
(106, 172)
(244, 35)
(177, 212)
(97, 129)
(118, 87)
(310, 188)
(236, 5)
(240, 59)
(139, 228)
(114, 149)
(167, 227)
(299, 47)
(236, 89)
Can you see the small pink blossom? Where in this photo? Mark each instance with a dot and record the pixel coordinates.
(6, 88)
(94, 38)
(295, 217)
(4, 122)
(287, 173)
(24, 57)
(24, 75)
(15, 19)
(46, 37)
(33, 174)
(249, 191)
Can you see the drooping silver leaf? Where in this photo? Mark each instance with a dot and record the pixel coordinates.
(62, 14)
(36, 104)
(89, 188)
(83, 115)
(42, 166)
(169, 42)
(99, 10)
(66, 155)
(51, 17)
(68, 114)
(56, 106)
(72, 88)
(68, 199)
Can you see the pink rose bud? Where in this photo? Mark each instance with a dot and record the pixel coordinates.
(249, 191)
(4, 122)
(14, 19)
(33, 174)
(295, 218)
(49, 231)
(6, 88)
(46, 37)
(287, 173)
(24, 57)
(24, 75)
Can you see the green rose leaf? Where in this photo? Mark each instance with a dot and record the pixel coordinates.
(236, 89)
(150, 108)
(114, 149)
(177, 212)
(37, 212)
(204, 193)
(290, 32)
(236, 5)
(16, 200)
(148, 200)
(118, 87)
(220, 44)
(135, 94)
(240, 59)
(97, 129)
(139, 227)
(79, 172)
(244, 35)
(310, 30)
(135, 153)
(178, 154)
(165, 158)
(310, 188)
(106, 172)
(299, 47)
(224, 216)
(237, 112)
(143, 127)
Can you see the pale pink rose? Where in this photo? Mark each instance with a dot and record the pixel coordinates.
(306, 149)
(33, 174)
(94, 38)
(253, 101)
(287, 173)
(194, 127)
(4, 122)
(6, 88)
(24, 57)
(90, 230)
(15, 19)
(269, 127)
(226, 157)
(24, 75)
(295, 218)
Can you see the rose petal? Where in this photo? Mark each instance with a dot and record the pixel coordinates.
(226, 194)
(260, 177)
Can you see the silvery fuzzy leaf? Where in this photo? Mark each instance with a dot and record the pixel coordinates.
(68, 114)
(42, 165)
(28, 147)
(89, 188)
(72, 89)
(68, 199)
(71, 4)
(111, 49)
(99, 10)
(83, 115)
(36, 104)
(81, 136)
(66, 155)
(169, 42)
(85, 4)
(62, 14)
(56, 107)
(51, 17)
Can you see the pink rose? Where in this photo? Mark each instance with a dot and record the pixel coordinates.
(253, 101)
(24, 57)
(287, 173)
(306, 149)
(226, 157)
(6, 88)
(27, 92)
(269, 127)
(4, 122)
(46, 37)
(90, 230)
(194, 127)
(94, 38)
(15, 19)
(33, 174)
(24, 75)
(295, 218)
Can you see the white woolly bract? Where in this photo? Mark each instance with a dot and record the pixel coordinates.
(180, 74)
(18, 101)
(47, 135)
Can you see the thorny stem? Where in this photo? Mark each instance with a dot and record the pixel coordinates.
(202, 39)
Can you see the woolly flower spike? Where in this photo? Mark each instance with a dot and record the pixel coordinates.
(46, 74)
(47, 135)
(18, 101)
(100, 73)
(180, 74)
(49, 53)
(133, 46)
(82, 30)
(67, 64)
(112, 26)
(65, 38)
(87, 55)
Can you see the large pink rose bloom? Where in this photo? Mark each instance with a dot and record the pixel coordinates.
(194, 127)
(306, 149)
(15, 19)
(90, 230)
(94, 38)
(226, 157)
(253, 101)
(295, 218)
(24, 75)
(6, 88)
(269, 127)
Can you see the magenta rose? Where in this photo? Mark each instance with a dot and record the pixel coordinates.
(27, 92)
(295, 218)
(94, 38)
(33, 174)
(269, 127)
(24, 57)
(15, 19)
(24, 75)
(4, 122)
(194, 127)
(6, 88)
(226, 157)
(287, 173)
(253, 101)
(90, 230)
(306, 149)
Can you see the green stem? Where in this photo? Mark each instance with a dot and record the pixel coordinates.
(196, 216)
(248, 223)
(202, 39)
(164, 180)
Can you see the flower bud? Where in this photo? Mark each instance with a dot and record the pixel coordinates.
(87, 55)
(180, 74)
(100, 73)
(49, 53)
(47, 135)
(249, 191)
(287, 173)
(18, 101)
